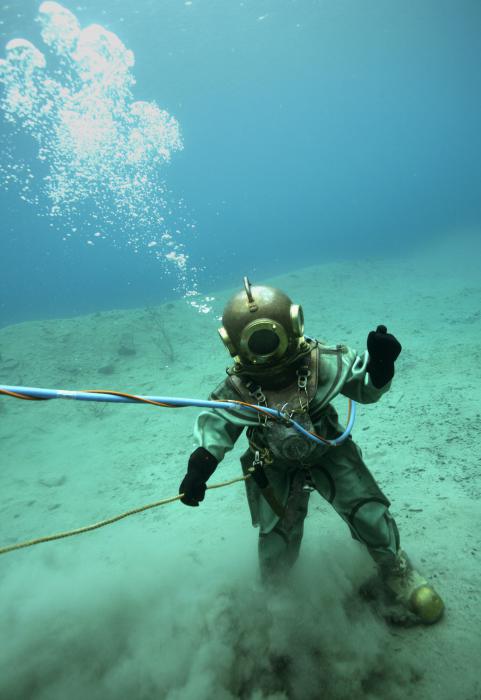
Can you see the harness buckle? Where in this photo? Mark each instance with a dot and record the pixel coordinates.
(303, 374)
(259, 396)
(308, 484)
(257, 461)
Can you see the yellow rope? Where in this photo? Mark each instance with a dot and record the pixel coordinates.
(109, 521)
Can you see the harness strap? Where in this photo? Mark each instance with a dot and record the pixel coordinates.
(260, 477)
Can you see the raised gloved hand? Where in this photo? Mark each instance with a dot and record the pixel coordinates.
(201, 466)
(383, 349)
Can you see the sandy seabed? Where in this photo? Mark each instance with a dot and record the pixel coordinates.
(167, 604)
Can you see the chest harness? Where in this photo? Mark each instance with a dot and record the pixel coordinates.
(276, 440)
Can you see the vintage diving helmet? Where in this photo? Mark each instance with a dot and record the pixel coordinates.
(263, 331)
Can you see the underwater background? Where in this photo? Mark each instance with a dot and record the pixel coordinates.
(151, 155)
(312, 131)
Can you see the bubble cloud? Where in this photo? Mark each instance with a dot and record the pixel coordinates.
(102, 154)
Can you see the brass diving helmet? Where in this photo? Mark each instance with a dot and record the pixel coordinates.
(263, 330)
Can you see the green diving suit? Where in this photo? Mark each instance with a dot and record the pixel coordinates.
(276, 366)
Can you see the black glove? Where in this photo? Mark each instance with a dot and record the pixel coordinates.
(383, 349)
(201, 466)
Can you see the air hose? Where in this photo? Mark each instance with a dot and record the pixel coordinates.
(37, 394)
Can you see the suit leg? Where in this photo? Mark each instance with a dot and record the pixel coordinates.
(279, 549)
(344, 480)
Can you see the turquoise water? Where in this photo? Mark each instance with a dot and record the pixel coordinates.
(151, 155)
(310, 131)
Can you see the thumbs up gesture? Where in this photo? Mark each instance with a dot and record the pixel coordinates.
(383, 349)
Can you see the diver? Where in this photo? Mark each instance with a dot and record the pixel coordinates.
(276, 365)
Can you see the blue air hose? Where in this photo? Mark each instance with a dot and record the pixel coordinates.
(36, 394)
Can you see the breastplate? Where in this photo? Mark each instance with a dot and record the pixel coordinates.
(287, 443)
(282, 440)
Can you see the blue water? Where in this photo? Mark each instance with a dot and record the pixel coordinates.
(312, 131)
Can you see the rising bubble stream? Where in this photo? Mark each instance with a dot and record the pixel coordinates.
(100, 154)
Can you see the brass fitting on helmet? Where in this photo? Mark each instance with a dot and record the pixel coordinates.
(262, 328)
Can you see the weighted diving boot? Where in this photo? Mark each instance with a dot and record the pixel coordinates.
(409, 588)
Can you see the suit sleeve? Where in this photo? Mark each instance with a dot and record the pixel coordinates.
(215, 433)
(358, 385)
(218, 430)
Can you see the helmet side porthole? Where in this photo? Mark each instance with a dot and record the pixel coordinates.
(297, 320)
(227, 341)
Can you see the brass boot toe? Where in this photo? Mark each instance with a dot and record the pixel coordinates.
(427, 604)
